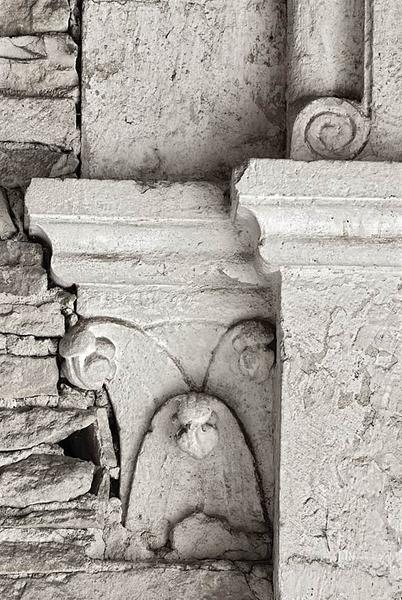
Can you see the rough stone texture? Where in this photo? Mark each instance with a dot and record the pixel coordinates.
(38, 66)
(7, 227)
(194, 89)
(43, 320)
(6, 458)
(27, 376)
(30, 346)
(39, 120)
(147, 583)
(19, 162)
(341, 426)
(44, 478)
(340, 342)
(21, 17)
(26, 428)
(386, 131)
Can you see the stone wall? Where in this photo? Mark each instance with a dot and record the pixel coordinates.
(39, 91)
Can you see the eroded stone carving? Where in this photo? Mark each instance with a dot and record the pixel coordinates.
(197, 434)
(331, 128)
(206, 467)
(88, 359)
(141, 378)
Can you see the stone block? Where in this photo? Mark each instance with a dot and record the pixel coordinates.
(19, 162)
(149, 583)
(43, 320)
(38, 66)
(44, 478)
(43, 121)
(22, 17)
(6, 458)
(27, 428)
(27, 376)
(195, 88)
(30, 346)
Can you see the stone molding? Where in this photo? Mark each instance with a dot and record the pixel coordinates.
(320, 214)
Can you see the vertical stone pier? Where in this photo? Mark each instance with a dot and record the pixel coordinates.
(333, 232)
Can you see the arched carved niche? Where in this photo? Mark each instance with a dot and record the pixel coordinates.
(142, 377)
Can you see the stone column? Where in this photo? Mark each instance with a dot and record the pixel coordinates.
(329, 78)
(333, 233)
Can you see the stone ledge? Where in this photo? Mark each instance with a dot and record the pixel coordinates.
(323, 213)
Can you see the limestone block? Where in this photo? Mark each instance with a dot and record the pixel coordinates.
(44, 478)
(37, 550)
(7, 227)
(38, 66)
(27, 376)
(208, 582)
(85, 512)
(209, 87)
(30, 427)
(43, 320)
(20, 17)
(30, 346)
(19, 162)
(6, 458)
(39, 120)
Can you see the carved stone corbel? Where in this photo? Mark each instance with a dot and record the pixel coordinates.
(174, 324)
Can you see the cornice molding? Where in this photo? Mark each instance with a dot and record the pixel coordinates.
(322, 213)
(127, 233)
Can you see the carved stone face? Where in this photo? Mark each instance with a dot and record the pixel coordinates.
(198, 434)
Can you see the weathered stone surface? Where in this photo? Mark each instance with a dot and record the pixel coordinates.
(7, 227)
(85, 512)
(26, 428)
(30, 346)
(6, 458)
(39, 120)
(20, 17)
(148, 583)
(21, 271)
(19, 162)
(43, 320)
(199, 537)
(340, 347)
(209, 87)
(44, 478)
(385, 141)
(22, 281)
(27, 376)
(40, 550)
(38, 66)
(195, 455)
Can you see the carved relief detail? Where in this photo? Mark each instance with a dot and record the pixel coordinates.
(330, 128)
(205, 455)
(89, 360)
